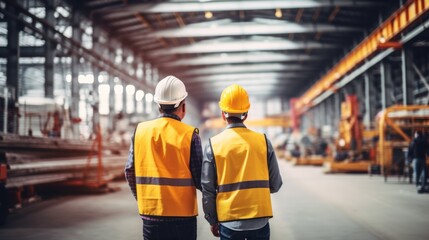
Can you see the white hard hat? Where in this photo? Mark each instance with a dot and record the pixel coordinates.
(170, 90)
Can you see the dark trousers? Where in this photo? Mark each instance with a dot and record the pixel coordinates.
(258, 234)
(170, 230)
(420, 171)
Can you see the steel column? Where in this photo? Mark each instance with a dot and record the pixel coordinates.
(407, 77)
(390, 97)
(148, 74)
(383, 85)
(95, 100)
(111, 122)
(155, 76)
(112, 97)
(374, 94)
(124, 99)
(149, 81)
(49, 51)
(134, 100)
(95, 84)
(330, 111)
(75, 97)
(96, 72)
(367, 116)
(386, 85)
(143, 78)
(12, 71)
(337, 108)
(323, 114)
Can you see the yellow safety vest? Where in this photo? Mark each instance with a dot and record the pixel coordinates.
(242, 175)
(162, 150)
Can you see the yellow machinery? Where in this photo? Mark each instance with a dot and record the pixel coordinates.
(354, 151)
(311, 160)
(396, 126)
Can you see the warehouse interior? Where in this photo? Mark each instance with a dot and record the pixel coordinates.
(339, 87)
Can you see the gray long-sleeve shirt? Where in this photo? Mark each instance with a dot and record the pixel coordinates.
(209, 185)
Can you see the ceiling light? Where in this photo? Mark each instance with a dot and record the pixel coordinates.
(278, 13)
(208, 15)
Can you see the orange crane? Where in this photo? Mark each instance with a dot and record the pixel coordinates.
(354, 148)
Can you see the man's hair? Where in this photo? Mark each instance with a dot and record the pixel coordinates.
(234, 120)
(169, 108)
(235, 117)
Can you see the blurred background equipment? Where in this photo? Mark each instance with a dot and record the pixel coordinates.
(396, 125)
(354, 149)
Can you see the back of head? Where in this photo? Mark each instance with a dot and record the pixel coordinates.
(169, 93)
(234, 101)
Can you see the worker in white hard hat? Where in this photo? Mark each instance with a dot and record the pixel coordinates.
(239, 172)
(164, 167)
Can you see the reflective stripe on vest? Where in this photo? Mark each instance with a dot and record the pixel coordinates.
(242, 174)
(162, 149)
(165, 181)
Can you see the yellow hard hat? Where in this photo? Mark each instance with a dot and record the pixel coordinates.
(234, 99)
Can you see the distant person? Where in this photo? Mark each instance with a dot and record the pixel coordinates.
(53, 124)
(417, 151)
(239, 173)
(164, 167)
(58, 123)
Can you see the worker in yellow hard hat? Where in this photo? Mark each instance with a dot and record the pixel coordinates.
(164, 167)
(238, 174)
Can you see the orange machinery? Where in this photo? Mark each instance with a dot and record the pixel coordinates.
(396, 126)
(354, 149)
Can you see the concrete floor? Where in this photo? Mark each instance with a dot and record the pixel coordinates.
(311, 205)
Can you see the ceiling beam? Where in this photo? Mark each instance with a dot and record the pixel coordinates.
(130, 28)
(246, 68)
(143, 42)
(168, 7)
(253, 91)
(334, 14)
(244, 76)
(124, 22)
(237, 58)
(101, 2)
(269, 44)
(147, 25)
(247, 28)
(299, 15)
(138, 35)
(182, 24)
(243, 83)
